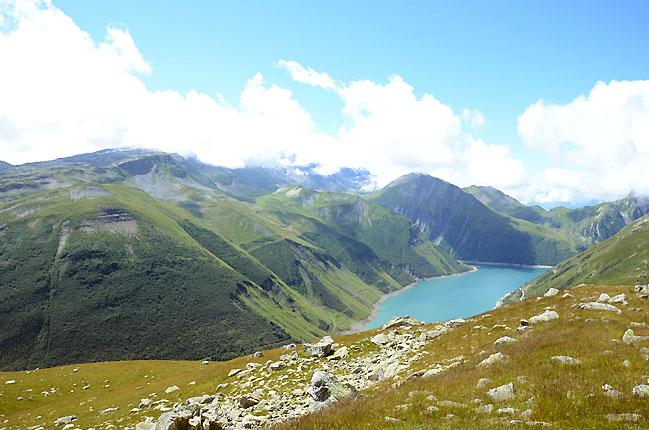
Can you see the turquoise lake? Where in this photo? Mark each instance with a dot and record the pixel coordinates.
(459, 296)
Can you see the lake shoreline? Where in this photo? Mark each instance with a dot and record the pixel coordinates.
(487, 263)
(360, 325)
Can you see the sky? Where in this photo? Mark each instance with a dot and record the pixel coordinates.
(547, 101)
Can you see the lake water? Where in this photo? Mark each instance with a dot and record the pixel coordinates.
(459, 296)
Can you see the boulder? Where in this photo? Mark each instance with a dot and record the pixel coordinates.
(249, 400)
(108, 410)
(399, 321)
(257, 354)
(484, 409)
(65, 420)
(456, 322)
(320, 349)
(551, 292)
(493, 359)
(325, 387)
(505, 340)
(604, 298)
(596, 306)
(290, 347)
(546, 316)
(641, 390)
(630, 337)
(620, 298)
(340, 353)
(564, 359)
(172, 389)
(380, 339)
(278, 365)
(167, 421)
(502, 393)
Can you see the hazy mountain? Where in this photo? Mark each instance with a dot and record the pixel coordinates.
(464, 227)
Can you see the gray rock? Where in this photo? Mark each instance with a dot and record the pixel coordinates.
(546, 316)
(564, 359)
(380, 339)
(320, 349)
(451, 404)
(483, 383)
(399, 321)
(630, 337)
(278, 365)
(290, 347)
(641, 390)
(340, 354)
(325, 387)
(195, 423)
(172, 389)
(65, 420)
(258, 354)
(502, 393)
(249, 400)
(145, 426)
(456, 322)
(604, 298)
(506, 411)
(167, 421)
(484, 409)
(505, 340)
(498, 357)
(551, 292)
(620, 298)
(596, 306)
(108, 410)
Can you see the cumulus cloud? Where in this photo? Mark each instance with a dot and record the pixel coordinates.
(599, 143)
(64, 93)
(473, 118)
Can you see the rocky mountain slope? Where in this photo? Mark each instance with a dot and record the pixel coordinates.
(102, 255)
(589, 348)
(468, 230)
(621, 259)
(590, 224)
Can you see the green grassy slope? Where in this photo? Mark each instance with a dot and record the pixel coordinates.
(467, 229)
(108, 277)
(621, 259)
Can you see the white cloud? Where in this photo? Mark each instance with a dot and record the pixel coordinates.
(64, 93)
(307, 75)
(473, 118)
(602, 139)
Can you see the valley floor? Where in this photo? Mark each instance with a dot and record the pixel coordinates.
(576, 365)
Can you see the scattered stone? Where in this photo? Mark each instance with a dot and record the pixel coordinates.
(505, 340)
(546, 316)
(456, 322)
(567, 296)
(399, 321)
(502, 393)
(278, 365)
(596, 306)
(641, 390)
(620, 298)
(320, 349)
(630, 337)
(432, 409)
(171, 389)
(9, 382)
(524, 323)
(506, 411)
(258, 354)
(325, 387)
(484, 409)
(392, 420)
(551, 292)
(483, 383)
(233, 372)
(249, 400)
(564, 359)
(145, 426)
(205, 362)
(65, 420)
(108, 410)
(604, 298)
(380, 339)
(290, 347)
(449, 404)
(493, 359)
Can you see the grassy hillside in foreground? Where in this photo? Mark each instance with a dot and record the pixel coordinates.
(621, 259)
(544, 390)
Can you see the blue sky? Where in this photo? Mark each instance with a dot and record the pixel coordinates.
(497, 58)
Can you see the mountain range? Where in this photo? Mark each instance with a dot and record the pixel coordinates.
(102, 255)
